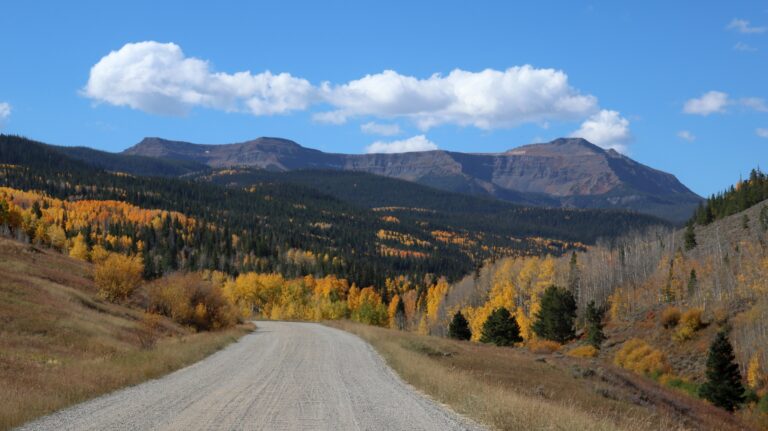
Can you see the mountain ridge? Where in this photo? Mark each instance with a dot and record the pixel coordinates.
(566, 172)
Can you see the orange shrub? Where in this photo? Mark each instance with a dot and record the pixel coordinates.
(670, 317)
(118, 276)
(638, 356)
(543, 346)
(586, 351)
(190, 300)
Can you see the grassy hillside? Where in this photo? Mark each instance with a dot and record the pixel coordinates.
(60, 344)
(513, 389)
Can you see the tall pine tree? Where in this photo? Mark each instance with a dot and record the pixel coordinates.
(723, 387)
(594, 329)
(555, 319)
(501, 329)
(459, 327)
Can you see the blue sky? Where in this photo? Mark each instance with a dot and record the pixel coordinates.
(680, 86)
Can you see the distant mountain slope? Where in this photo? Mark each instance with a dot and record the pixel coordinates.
(418, 203)
(132, 164)
(567, 172)
(273, 217)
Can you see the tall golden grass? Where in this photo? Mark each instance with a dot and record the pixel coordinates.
(513, 389)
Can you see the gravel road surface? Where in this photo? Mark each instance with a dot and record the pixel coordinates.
(284, 376)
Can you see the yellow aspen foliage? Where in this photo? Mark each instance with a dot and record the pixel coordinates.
(118, 276)
(41, 234)
(391, 310)
(618, 307)
(435, 296)
(99, 254)
(586, 351)
(423, 326)
(476, 316)
(57, 237)
(79, 249)
(754, 372)
(638, 356)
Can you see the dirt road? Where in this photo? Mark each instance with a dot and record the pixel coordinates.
(284, 376)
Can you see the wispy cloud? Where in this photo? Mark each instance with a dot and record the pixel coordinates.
(762, 132)
(741, 46)
(416, 143)
(373, 128)
(5, 112)
(686, 135)
(743, 26)
(713, 102)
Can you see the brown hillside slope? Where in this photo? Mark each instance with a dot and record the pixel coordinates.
(513, 389)
(59, 345)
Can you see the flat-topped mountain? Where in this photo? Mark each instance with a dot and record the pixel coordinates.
(567, 172)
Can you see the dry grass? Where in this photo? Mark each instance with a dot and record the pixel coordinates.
(59, 345)
(513, 389)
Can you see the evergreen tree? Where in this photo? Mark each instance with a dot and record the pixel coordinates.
(574, 276)
(692, 282)
(555, 319)
(459, 327)
(723, 387)
(594, 329)
(400, 315)
(689, 237)
(501, 329)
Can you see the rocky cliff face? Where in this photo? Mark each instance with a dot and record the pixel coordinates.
(568, 172)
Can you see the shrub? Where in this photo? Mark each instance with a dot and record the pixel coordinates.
(762, 405)
(501, 329)
(117, 276)
(190, 300)
(670, 317)
(638, 356)
(555, 319)
(690, 322)
(587, 351)
(459, 327)
(148, 330)
(543, 346)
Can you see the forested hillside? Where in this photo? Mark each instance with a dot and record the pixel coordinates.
(405, 199)
(661, 298)
(279, 226)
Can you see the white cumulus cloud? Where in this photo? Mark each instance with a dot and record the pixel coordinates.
(5, 112)
(606, 129)
(709, 103)
(686, 135)
(761, 132)
(487, 99)
(743, 26)
(158, 78)
(416, 143)
(373, 128)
